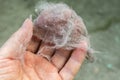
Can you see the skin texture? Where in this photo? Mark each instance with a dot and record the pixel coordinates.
(18, 60)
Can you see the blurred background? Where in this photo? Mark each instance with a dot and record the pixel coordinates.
(102, 19)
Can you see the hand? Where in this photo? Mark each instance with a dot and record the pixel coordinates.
(18, 60)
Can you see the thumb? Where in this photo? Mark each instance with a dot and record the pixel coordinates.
(18, 41)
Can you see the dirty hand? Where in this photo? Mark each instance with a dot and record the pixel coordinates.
(17, 62)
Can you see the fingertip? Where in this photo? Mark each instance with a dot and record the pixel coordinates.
(28, 24)
(80, 52)
(26, 30)
(18, 41)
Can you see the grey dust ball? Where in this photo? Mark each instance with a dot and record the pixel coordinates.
(59, 25)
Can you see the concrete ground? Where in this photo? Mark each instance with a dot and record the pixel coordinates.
(102, 19)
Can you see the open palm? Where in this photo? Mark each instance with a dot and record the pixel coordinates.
(18, 59)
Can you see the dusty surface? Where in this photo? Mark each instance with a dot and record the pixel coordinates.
(102, 20)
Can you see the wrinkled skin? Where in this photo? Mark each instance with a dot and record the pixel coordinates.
(18, 60)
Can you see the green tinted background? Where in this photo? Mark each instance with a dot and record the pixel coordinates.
(102, 19)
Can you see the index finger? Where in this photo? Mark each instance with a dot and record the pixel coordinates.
(18, 41)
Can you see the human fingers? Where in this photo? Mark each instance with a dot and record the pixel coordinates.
(38, 67)
(34, 44)
(17, 42)
(60, 58)
(70, 69)
(46, 51)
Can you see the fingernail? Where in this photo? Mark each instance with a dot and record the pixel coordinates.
(30, 17)
(25, 22)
